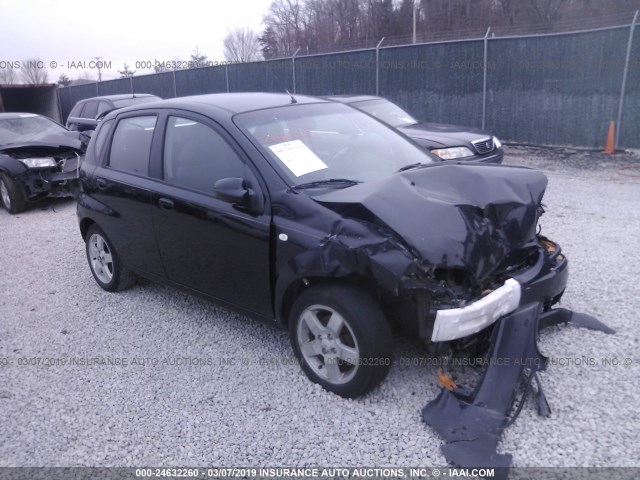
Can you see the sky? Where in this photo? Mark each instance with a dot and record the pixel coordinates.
(119, 31)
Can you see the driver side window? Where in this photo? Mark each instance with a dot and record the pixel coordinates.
(196, 156)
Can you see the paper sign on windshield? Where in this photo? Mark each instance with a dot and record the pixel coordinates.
(297, 157)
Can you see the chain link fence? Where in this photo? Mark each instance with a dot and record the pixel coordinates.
(546, 89)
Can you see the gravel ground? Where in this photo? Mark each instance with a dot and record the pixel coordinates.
(240, 401)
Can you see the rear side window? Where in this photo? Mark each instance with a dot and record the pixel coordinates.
(131, 144)
(196, 156)
(103, 107)
(76, 110)
(101, 139)
(90, 110)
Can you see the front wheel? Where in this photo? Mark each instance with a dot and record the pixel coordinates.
(11, 195)
(341, 338)
(104, 262)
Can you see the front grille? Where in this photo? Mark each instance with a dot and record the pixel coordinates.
(484, 146)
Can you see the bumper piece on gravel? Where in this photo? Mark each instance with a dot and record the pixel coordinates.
(471, 421)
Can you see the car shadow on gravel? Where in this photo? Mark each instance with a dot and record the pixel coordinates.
(51, 204)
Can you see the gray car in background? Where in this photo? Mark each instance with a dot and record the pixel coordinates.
(449, 142)
(86, 114)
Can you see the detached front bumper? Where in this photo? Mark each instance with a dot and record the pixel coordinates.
(472, 420)
(461, 322)
(544, 282)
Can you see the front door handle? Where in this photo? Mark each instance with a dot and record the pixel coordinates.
(101, 183)
(166, 204)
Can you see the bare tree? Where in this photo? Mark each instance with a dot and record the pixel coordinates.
(8, 76)
(325, 25)
(126, 73)
(241, 45)
(33, 71)
(546, 11)
(285, 28)
(197, 59)
(64, 81)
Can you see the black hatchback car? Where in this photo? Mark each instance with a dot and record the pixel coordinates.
(316, 216)
(448, 142)
(87, 113)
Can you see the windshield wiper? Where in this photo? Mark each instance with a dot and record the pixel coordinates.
(410, 166)
(331, 182)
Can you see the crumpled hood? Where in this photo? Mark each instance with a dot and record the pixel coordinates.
(457, 215)
(47, 140)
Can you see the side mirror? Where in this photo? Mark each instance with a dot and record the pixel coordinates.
(234, 190)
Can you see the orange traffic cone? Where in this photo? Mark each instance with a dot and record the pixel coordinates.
(609, 146)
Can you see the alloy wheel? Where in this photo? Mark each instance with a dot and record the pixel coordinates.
(327, 344)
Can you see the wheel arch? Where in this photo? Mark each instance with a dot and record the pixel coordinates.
(11, 166)
(85, 225)
(295, 288)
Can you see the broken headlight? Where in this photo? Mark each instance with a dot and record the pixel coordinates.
(39, 162)
(452, 153)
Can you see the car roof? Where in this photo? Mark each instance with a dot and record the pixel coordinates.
(351, 98)
(230, 102)
(10, 115)
(123, 96)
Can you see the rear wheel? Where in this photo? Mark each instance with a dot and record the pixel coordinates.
(105, 263)
(341, 338)
(11, 195)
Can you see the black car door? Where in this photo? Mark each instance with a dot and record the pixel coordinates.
(122, 188)
(206, 243)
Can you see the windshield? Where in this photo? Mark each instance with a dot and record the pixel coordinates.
(386, 111)
(329, 141)
(127, 102)
(24, 127)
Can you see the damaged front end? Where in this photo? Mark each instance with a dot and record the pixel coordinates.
(48, 173)
(46, 167)
(452, 253)
(456, 246)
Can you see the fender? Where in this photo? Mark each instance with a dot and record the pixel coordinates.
(352, 249)
(11, 166)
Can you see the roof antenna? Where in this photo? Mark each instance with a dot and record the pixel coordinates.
(293, 100)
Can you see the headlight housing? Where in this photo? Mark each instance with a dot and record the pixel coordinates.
(497, 143)
(453, 152)
(39, 162)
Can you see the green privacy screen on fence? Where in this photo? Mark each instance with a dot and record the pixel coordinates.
(560, 89)
(440, 82)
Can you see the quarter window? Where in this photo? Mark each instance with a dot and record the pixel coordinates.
(102, 107)
(196, 156)
(131, 144)
(77, 110)
(90, 110)
(103, 133)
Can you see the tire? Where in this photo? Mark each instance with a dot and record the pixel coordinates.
(104, 262)
(341, 338)
(11, 195)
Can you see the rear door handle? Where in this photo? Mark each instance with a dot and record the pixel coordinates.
(166, 204)
(101, 183)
